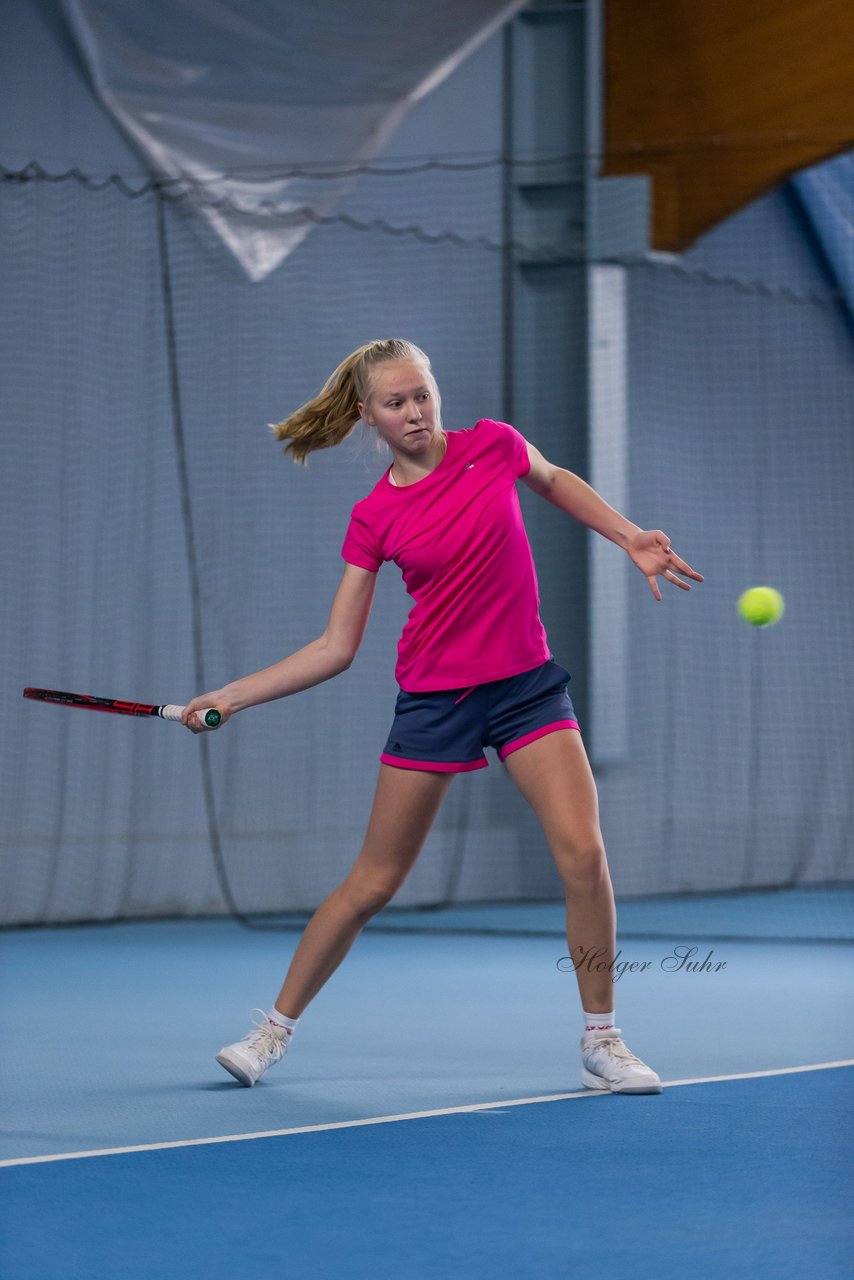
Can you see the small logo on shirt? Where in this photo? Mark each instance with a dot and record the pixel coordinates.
(468, 466)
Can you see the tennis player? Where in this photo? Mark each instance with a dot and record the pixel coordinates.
(474, 669)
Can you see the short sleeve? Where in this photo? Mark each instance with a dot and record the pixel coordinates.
(359, 548)
(515, 444)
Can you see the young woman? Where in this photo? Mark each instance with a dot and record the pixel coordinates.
(474, 670)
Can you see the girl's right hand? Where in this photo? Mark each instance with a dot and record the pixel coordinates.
(219, 699)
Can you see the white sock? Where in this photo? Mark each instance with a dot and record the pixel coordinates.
(597, 1021)
(281, 1021)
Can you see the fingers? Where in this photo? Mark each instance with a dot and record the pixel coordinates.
(191, 720)
(190, 715)
(671, 577)
(681, 565)
(663, 551)
(676, 562)
(195, 725)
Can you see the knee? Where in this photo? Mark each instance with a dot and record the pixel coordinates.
(582, 863)
(368, 894)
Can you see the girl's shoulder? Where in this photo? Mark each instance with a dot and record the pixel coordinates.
(495, 429)
(502, 434)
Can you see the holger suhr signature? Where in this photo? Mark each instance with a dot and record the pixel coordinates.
(681, 959)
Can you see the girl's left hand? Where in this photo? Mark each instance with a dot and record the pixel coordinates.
(650, 550)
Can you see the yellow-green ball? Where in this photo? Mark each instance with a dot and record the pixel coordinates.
(760, 606)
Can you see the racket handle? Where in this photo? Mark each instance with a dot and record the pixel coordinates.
(211, 717)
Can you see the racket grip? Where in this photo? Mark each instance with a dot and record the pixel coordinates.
(211, 717)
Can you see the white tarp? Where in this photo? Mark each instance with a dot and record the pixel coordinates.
(234, 94)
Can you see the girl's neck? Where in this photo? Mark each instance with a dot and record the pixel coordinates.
(401, 479)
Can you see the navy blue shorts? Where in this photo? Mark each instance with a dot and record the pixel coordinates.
(446, 732)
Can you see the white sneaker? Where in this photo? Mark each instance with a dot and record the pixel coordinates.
(249, 1058)
(609, 1064)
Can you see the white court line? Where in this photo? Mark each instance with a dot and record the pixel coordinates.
(412, 1115)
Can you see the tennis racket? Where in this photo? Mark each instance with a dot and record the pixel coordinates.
(115, 707)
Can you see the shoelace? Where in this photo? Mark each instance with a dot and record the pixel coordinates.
(264, 1041)
(614, 1046)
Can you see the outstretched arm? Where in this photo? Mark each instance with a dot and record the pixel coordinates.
(648, 549)
(323, 658)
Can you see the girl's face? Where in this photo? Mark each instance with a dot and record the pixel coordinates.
(403, 407)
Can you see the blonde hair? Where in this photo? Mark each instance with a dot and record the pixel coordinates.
(330, 416)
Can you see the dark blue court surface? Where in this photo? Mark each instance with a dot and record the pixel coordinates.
(746, 1178)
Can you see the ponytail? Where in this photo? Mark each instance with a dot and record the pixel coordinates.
(330, 416)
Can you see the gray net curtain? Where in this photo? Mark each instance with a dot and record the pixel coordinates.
(123, 315)
(105, 816)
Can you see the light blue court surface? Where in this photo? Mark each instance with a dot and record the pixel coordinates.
(109, 1035)
(823, 914)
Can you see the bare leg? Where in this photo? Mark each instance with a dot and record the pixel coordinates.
(554, 775)
(405, 803)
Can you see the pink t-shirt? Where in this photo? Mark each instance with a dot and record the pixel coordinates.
(459, 540)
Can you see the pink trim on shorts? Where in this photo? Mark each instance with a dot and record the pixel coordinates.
(434, 766)
(465, 695)
(537, 733)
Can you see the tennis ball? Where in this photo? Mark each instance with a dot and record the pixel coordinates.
(761, 606)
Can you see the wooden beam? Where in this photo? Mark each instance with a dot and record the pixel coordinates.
(720, 102)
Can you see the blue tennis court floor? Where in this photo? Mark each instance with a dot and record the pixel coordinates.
(110, 1032)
